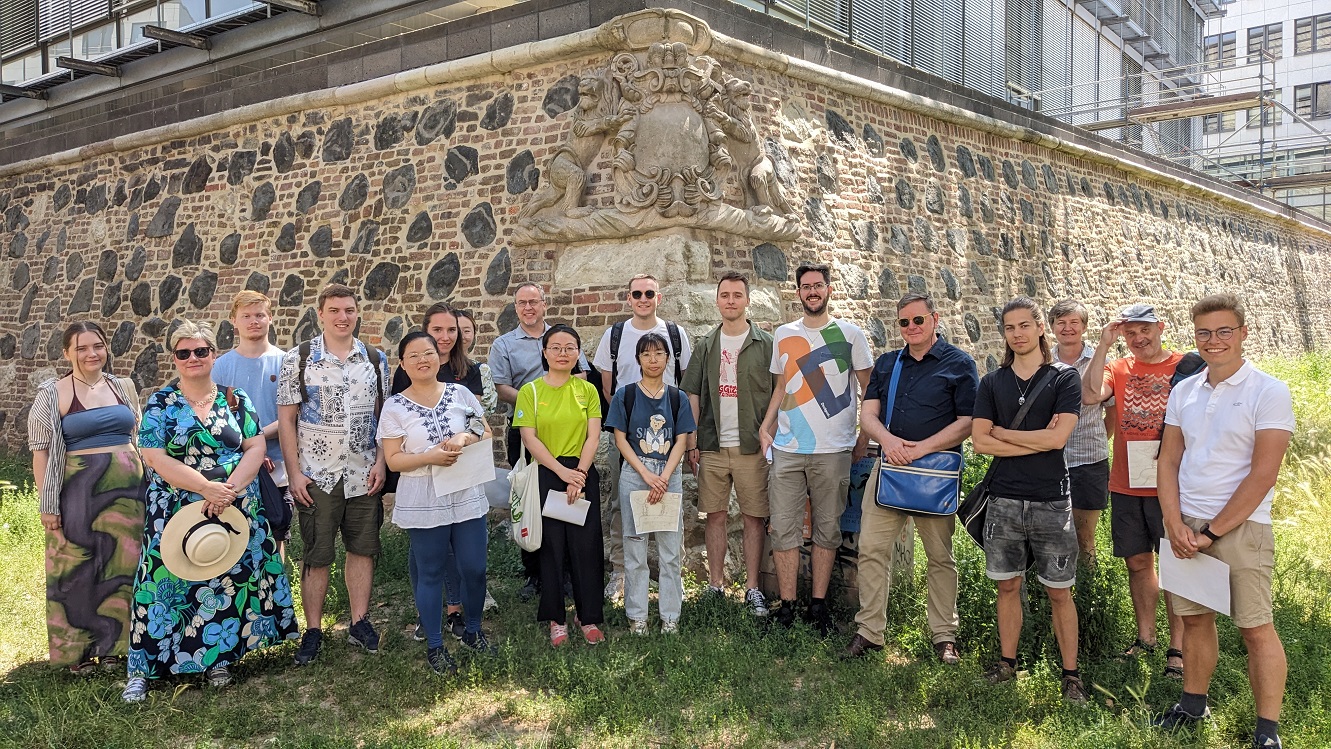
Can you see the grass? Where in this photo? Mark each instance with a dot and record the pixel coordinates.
(723, 681)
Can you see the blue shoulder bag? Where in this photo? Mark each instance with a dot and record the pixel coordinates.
(930, 485)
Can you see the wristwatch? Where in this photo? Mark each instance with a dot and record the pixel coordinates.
(1206, 531)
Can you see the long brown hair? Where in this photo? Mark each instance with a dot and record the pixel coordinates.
(457, 356)
(1028, 304)
(76, 329)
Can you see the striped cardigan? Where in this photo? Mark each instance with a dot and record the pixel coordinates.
(44, 433)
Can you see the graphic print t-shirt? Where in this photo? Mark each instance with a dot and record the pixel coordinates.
(1142, 393)
(820, 408)
(651, 429)
(728, 389)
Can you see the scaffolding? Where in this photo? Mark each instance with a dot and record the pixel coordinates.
(1188, 114)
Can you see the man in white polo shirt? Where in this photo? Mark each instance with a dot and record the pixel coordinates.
(1226, 432)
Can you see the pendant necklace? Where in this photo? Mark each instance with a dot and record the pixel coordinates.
(650, 394)
(1021, 400)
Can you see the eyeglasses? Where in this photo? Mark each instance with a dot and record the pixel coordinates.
(529, 302)
(906, 322)
(654, 354)
(806, 288)
(1203, 335)
(201, 352)
(561, 350)
(640, 294)
(413, 358)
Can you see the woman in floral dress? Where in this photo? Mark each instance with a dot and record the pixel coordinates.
(200, 450)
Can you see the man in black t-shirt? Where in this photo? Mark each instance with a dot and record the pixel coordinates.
(1029, 518)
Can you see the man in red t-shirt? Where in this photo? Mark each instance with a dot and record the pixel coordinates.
(1139, 383)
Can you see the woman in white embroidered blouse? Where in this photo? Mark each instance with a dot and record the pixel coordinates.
(424, 426)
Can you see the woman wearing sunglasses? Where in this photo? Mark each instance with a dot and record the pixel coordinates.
(427, 425)
(200, 449)
(559, 417)
(90, 483)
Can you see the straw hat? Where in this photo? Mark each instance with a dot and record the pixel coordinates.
(196, 547)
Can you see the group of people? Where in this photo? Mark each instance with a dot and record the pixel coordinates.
(163, 558)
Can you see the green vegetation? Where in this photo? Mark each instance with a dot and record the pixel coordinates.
(722, 681)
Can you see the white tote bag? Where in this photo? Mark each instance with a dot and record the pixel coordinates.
(524, 498)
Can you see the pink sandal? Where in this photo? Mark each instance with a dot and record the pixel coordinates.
(558, 634)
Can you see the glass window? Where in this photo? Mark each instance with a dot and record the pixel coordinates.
(1221, 122)
(225, 7)
(1221, 49)
(1269, 115)
(1312, 34)
(23, 69)
(178, 14)
(1266, 38)
(131, 26)
(1313, 100)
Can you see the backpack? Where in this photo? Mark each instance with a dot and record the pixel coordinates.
(631, 398)
(376, 358)
(616, 336)
(1189, 365)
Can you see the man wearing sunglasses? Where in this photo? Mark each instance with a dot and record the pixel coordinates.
(1225, 436)
(822, 365)
(931, 411)
(619, 367)
(1139, 384)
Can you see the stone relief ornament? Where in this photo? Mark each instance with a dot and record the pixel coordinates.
(674, 126)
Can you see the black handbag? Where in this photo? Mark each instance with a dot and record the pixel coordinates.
(975, 507)
(271, 497)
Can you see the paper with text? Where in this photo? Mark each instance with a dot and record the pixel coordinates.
(1202, 579)
(1141, 463)
(558, 508)
(654, 518)
(475, 466)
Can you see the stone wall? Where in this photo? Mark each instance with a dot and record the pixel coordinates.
(409, 189)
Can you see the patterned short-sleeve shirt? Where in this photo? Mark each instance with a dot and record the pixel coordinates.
(337, 424)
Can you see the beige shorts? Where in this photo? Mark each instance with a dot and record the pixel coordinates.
(1250, 552)
(821, 480)
(719, 471)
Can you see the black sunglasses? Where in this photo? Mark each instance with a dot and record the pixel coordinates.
(201, 352)
(906, 322)
(639, 294)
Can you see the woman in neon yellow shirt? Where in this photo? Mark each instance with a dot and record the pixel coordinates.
(559, 416)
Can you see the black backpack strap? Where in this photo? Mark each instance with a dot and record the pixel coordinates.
(672, 330)
(300, 370)
(376, 358)
(616, 335)
(674, 403)
(630, 398)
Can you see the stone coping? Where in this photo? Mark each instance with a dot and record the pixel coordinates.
(604, 38)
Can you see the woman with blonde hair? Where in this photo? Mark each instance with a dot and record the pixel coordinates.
(90, 485)
(209, 592)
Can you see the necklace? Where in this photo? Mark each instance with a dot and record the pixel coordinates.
(212, 397)
(86, 384)
(649, 393)
(1021, 400)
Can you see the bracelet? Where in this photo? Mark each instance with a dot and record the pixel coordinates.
(1206, 531)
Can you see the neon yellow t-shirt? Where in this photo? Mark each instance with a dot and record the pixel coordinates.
(559, 414)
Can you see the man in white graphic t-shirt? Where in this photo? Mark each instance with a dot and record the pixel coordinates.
(619, 367)
(822, 366)
(729, 386)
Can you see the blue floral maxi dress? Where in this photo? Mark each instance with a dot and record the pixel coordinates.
(182, 627)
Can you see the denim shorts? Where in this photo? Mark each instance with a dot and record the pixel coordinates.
(1018, 534)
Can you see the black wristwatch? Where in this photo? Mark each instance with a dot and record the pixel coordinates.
(1206, 531)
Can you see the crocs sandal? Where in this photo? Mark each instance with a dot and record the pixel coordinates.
(1173, 672)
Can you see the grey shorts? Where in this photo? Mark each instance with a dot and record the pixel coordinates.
(1090, 485)
(822, 480)
(1018, 534)
(1135, 524)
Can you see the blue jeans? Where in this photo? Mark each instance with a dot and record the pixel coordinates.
(452, 578)
(636, 572)
(431, 548)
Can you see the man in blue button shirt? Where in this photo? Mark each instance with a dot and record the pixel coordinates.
(932, 411)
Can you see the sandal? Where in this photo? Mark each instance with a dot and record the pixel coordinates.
(84, 668)
(1173, 672)
(1137, 650)
(111, 663)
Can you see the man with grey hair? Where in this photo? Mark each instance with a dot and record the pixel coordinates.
(515, 360)
(919, 401)
(1087, 451)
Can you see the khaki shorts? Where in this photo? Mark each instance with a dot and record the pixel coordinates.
(718, 471)
(822, 479)
(358, 518)
(1250, 552)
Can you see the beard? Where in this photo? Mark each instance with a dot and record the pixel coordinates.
(811, 311)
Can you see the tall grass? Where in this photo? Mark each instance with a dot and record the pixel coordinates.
(726, 680)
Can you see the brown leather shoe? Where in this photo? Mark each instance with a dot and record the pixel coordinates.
(858, 648)
(947, 653)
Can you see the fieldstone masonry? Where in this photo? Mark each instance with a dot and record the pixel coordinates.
(458, 181)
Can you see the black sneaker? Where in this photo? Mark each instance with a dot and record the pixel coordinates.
(362, 633)
(820, 618)
(310, 642)
(529, 589)
(1262, 741)
(418, 634)
(440, 661)
(456, 625)
(785, 615)
(478, 644)
(1000, 672)
(1176, 717)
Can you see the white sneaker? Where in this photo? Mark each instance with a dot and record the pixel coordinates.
(669, 627)
(490, 604)
(136, 690)
(756, 601)
(614, 590)
(637, 627)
